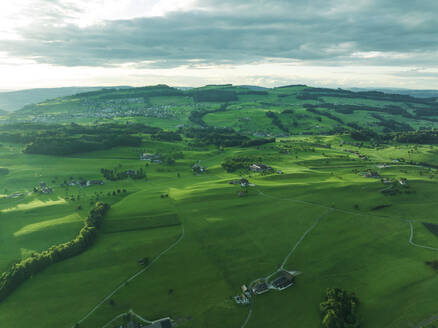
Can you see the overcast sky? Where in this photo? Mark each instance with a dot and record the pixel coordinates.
(335, 43)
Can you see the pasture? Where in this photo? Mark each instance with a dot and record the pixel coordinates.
(228, 240)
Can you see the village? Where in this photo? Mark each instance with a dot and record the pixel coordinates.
(110, 109)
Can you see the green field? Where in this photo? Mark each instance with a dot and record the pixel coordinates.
(203, 242)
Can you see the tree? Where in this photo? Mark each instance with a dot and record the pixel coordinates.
(339, 310)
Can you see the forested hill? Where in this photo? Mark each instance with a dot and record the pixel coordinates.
(288, 110)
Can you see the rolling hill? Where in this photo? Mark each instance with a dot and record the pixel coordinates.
(289, 110)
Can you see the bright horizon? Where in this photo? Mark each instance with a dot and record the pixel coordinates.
(371, 44)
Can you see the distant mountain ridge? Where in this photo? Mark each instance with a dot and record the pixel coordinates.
(14, 100)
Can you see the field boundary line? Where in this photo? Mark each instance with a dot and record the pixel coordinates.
(123, 284)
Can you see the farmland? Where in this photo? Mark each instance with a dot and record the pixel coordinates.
(202, 237)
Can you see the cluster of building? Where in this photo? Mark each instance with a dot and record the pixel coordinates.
(242, 182)
(283, 280)
(85, 183)
(43, 188)
(263, 168)
(371, 174)
(197, 168)
(244, 297)
(152, 158)
(355, 152)
(104, 110)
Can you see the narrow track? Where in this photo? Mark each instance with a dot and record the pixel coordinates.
(411, 239)
(123, 284)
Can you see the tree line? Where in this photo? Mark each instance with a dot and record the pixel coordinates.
(37, 262)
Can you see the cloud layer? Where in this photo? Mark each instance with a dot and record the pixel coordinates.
(212, 32)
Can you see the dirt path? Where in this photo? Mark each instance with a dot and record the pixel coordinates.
(411, 238)
(249, 315)
(132, 277)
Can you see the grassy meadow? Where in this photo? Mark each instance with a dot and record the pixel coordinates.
(228, 240)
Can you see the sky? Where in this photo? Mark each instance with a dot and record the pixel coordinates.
(331, 43)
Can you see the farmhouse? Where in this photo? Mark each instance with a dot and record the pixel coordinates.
(245, 297)
(43, 188)
(94, 182)
(285, 280)
(153, 158)
(371, 174)
(241, 299)
(260, 288)
(197, 168)
(244, 182)
(259, 167)
(403, 181)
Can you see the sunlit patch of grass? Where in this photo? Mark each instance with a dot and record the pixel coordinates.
(35, 204)
(47, 224)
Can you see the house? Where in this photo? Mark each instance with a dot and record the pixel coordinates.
(255, 168)
(244, 182)
(371, 174)
(241, 299)
(403, 181)
(197, 168)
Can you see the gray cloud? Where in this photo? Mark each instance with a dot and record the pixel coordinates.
(335, 32)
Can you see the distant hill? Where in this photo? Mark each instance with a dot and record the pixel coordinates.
(281, 111)
(13, 100)
(253, 87)
(3, 112)
(409, 92)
